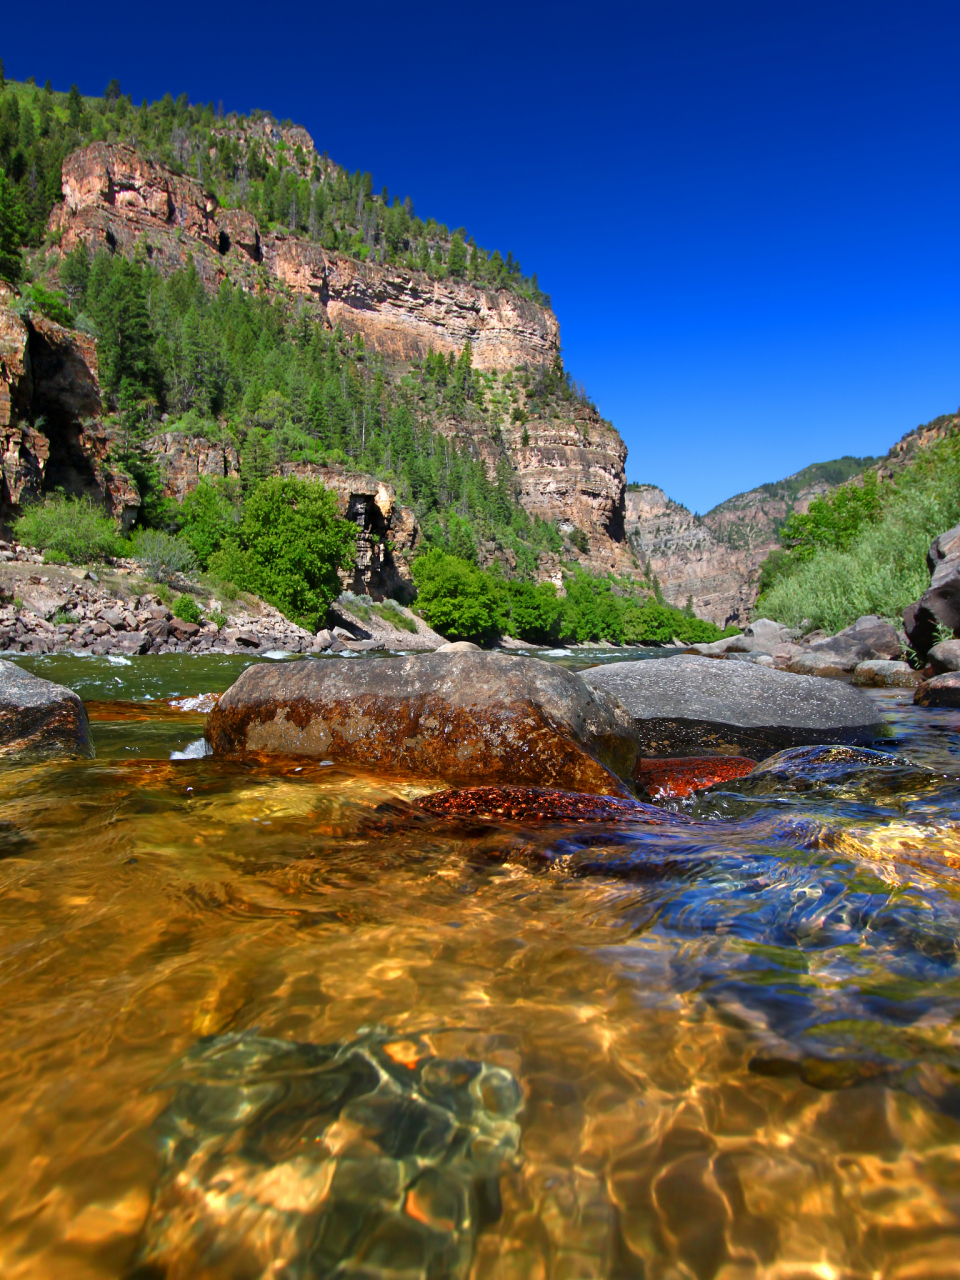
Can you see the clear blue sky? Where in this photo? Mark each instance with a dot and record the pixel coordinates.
(746, 212)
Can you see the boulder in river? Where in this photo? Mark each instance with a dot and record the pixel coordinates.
(881, 673)
(939, 606)
(945, 656)
(940, 691)
(39, 718)
(465, 717)
(693, 705)
(869, 639)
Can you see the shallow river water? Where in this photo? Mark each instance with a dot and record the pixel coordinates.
(275, 1021)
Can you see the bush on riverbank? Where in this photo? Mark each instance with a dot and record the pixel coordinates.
(882, 568)
(290, 547)
(161, 556)
(464, 602)
(73, 529)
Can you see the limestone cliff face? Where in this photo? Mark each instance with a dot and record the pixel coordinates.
(688, 560)
(571, 469)
(51, 432)
(114, 197)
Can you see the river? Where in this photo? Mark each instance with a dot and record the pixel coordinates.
(726, 1048)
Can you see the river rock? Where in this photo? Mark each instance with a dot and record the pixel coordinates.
(459, 646)
(940, 691)
(940, 603)
(39, 718)
(880, 673)
(868, 639)
(464, 717)
(374, 1156)
(945, 656)
(691, 705)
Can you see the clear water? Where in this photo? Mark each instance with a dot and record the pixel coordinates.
(736, 1041)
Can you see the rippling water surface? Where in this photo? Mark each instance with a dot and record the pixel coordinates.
(276, 1021)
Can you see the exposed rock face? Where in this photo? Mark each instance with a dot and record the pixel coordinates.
(693, 705)
(688, 560)
(51, 433)
(114, 196)
(464, 717)
(38, 718)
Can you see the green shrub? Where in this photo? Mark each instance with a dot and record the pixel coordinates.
(536, 612)
(393, 616)
(218, 618)
(884, 567)
(55, 557)
(292, 545)
(163, 557)
(53, 305)
(72, 528)
(186, 607)
(208, 516)
(456, 598)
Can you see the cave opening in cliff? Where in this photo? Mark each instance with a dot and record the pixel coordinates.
(65, 395)
(111, 240)
(223, 243)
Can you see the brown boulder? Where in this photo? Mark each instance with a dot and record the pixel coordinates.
(940, 691)
(463, 717)
(945, 656)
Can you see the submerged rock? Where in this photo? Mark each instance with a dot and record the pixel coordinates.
(374, 1156)
(39, 718)
(691, 705)
(663, 779)
(536, 804)
(806, 768)
(462, 716)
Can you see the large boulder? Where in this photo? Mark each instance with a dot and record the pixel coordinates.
(466, 717)
(945, 656)
(691, 705)
(39, 718)
(940, 691)
(880, 673)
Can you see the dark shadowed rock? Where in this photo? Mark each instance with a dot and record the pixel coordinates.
(38, 718)
(694, 705)
(940, 603)
(940, 691)
(466, 717)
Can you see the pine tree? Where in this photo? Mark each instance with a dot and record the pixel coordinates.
(13, 231)
(458, 256)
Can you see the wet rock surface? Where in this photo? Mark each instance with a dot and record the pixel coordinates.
(536, 804)
(374, 1156)
(39, 718)
(458, 716)
(664, 778)
(692, 705)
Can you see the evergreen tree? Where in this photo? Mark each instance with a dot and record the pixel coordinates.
(458, 257)
(12, 231)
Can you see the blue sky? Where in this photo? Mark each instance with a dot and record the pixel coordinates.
(746, 212)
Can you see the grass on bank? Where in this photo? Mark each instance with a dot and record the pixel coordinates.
(882, 566)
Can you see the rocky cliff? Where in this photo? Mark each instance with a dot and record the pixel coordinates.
(569, 466)
(115, 198)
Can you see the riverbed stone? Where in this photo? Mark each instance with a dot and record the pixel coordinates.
(881, 673)
(945, 656)
(692, 705)
(466, 717)
(940, 691)
(39, 718)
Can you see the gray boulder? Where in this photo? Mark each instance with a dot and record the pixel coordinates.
(945, 656)
(691, 705)
(868, 639)
(467, 717)
(39, 718)
(881, 673)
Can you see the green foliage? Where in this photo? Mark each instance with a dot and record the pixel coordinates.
(163, 557)
(579, 540)
(12, 231)
(186, 607)
(291, 545)
(833, 520)
(49, 303)
(208, 516)
(456, 598)
(73, 528)
(883, 567)
(391, 614)
(535, 612)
